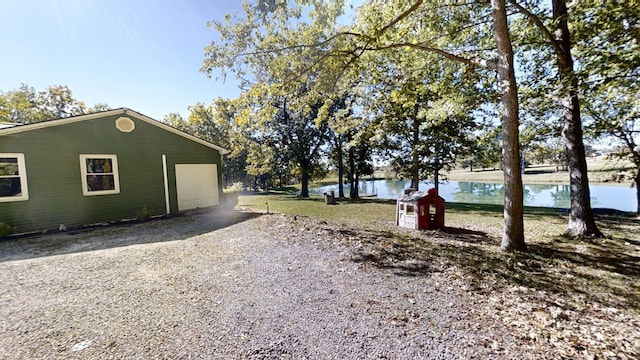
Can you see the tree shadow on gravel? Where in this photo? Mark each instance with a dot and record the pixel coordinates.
(406, 254)
(164, 229)
(600, 271)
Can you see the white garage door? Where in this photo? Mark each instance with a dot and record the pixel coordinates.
(197, 185)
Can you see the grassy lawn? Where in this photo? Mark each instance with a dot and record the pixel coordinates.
(574, 294)
(347, 211)
(541, 224)
(599, 170)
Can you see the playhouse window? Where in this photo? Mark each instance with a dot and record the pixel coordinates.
(99, 174)
(410, 210)
(13, 178)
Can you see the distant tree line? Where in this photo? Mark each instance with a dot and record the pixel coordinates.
(25, 105)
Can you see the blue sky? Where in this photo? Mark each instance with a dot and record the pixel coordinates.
(140, 54)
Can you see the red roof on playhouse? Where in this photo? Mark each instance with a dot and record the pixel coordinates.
(420, 210)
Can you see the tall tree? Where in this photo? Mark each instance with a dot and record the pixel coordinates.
(339, 113)
(220, 124)
(513, 235)
(558, 36)
(287, 133)
(581, 219)
(233, 135)
(176, 120)
(57, 102)
(486, 149)
(423, 109)
(296, 132)
(360, 151)
(25, 105)
(98, 107)
(606, 35)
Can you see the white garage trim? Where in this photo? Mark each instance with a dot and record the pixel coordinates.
(196, 185)
(165, 178)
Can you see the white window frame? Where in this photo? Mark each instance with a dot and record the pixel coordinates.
(114, 172)
(22, 170)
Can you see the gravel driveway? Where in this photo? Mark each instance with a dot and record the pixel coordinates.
(241, 286)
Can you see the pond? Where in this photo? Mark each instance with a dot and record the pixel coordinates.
(546, 195)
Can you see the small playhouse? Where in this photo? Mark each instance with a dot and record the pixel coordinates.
(420, 210)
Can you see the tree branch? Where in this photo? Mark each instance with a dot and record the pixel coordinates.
(400, 17)
(475, 62)
(543, 28)
(302, 46)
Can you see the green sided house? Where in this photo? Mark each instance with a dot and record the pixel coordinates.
(102, 167)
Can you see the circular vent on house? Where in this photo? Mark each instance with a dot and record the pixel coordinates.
(125, 124)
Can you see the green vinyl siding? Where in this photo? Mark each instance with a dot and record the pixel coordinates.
(52, 159)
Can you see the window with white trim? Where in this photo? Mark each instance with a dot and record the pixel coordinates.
(13, 178)
(99, 174)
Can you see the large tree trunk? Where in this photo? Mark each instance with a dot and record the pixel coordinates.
(436, 172)
(304, 181)
(637, 184)
(227, 171)
(338, 145)
(636, 162)
(415, 169)
(513, 234)
(353, 177)
(356, 185)
(581, 220)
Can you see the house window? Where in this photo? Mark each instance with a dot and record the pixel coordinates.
(99, 174)
(13, 178)
(410, 210)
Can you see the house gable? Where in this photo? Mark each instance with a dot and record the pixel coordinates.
(121, 111)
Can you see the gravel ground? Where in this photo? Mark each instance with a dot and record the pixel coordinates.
(241, 286)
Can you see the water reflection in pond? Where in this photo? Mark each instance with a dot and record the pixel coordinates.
(547, 195)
